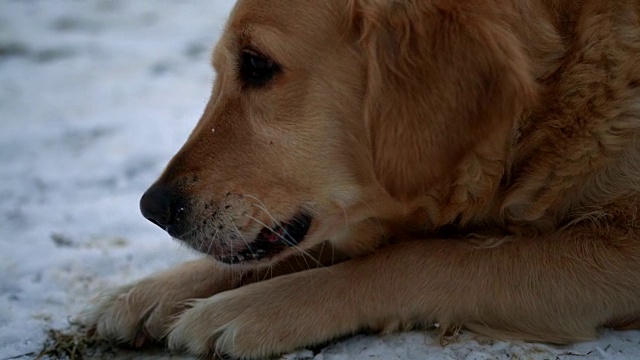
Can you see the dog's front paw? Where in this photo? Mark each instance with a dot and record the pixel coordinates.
(264, 319)
(127, 315)
(141, 313)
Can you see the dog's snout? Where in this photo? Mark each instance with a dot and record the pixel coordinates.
(155, 205)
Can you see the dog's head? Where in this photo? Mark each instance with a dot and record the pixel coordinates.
(329, 113)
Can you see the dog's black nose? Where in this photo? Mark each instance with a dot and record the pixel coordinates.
(155, 205)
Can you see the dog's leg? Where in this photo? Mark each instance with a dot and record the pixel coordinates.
(138, 313)
(557, 289)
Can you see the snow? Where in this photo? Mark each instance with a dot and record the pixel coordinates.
(95, 97)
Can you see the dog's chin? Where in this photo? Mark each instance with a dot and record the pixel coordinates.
(268, 244)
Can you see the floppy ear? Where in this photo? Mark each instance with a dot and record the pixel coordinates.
(442, 80)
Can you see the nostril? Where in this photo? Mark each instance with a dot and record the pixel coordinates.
(155, 205)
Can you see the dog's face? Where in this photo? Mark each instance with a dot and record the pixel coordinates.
(265, 170)
(318, 115)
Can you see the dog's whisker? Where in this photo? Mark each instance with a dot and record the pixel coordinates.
(211, 242)
(260, 202)
(346, 216)
(261, 206)
(285, 240)
(239, 233)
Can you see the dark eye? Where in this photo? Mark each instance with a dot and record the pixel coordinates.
(256, 70)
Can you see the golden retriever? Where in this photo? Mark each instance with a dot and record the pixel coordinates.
(379, 164)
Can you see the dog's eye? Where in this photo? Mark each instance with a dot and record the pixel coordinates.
(256, 70)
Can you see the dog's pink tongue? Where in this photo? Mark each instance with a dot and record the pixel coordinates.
(275, 236)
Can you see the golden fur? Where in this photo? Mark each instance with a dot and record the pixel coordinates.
(470, 163)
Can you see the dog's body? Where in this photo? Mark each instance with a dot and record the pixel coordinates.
(469, 163)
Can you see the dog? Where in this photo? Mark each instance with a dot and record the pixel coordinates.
(384, 164)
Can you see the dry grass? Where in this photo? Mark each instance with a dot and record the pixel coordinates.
(73, 344)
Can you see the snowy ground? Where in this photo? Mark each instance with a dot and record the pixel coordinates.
(95, 97)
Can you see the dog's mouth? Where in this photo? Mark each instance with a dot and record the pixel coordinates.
(271, 241)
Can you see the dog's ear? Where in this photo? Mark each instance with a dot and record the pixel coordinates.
(442, 81)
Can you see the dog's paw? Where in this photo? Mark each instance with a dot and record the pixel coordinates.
(141, 313)
(128, 315)
(233, 324)
(262, 320)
